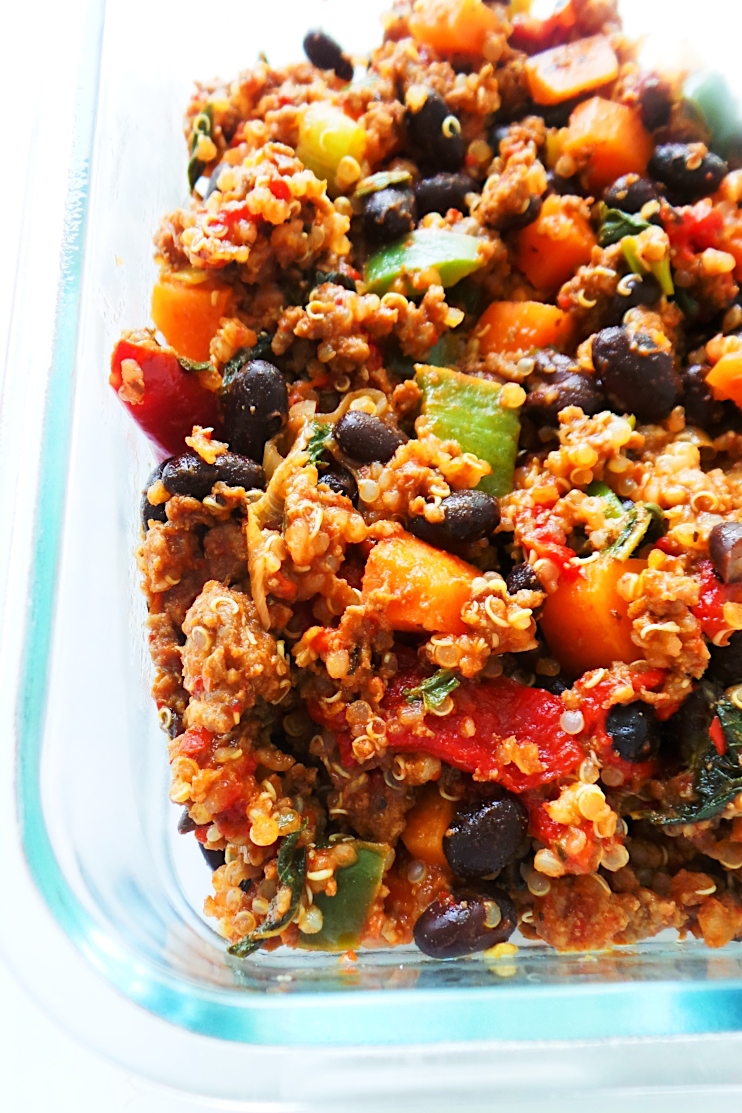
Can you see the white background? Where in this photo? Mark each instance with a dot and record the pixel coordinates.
(41, 1068)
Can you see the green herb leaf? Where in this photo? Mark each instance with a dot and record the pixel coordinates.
(717, 778)
(434, 690)
(292, 870)
(193, 365)
(337, 278)
(317, 442)
(615, 225)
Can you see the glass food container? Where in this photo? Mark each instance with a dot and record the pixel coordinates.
(89, 849)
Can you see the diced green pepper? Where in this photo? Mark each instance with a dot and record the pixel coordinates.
(614, 508)
(451, 255)
(202, 125)
(326, 136)
(661, 269)
(710, 94)
(344, 915)
(466, 409)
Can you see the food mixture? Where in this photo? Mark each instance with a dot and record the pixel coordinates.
(443, 559)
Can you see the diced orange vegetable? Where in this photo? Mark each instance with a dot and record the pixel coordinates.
(521, 326)
(551, 249)
(421, 587)
(725, 378)
(453, 26)
(566, 71)
(613, 136)
(426, 825)
(585, 621)
(188, 314)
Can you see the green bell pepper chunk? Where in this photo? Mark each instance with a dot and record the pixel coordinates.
(344, 915)
(710, 95)
(326, 136)
(466, 409)
(661, 269)
(614, 508)
(452, 254)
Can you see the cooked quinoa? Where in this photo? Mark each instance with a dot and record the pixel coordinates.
(443, 556)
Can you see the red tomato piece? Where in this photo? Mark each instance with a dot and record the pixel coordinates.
(709, 610)
(164, 400)
(692, 228)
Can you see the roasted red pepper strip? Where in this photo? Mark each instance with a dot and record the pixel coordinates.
(164, 400)
(483, 716)
(595, 703)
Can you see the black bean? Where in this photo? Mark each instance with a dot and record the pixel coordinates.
(469, 920)
(435, 133)
(388, 215)
(701, 408)
(522, 578)
(725, 550)
(150, 512)
(495, 135)
(557, 382)
(686, 177)
(443, 192)
(185, 823)
(554, 684)
(486, 834)
(467, 516)
(256, 405)
(365, 438)
(725, 667)
(634, 731)
(630, 193)
(188, 474)
(239, 471)
(554, 115)
(563, 187)
(655, 102)
(215, 858)
(324, 53)
(633, 290)
(511, 222)
(637, 376)
(341, 481)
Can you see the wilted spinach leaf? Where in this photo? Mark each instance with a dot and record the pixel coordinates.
(292, 870)
(261, 349)
(717, 778)
(615, 225)
(193, 365)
